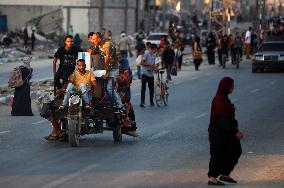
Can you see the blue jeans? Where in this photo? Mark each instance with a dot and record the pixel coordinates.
(139, 71)
(108, 86)
(72, 89)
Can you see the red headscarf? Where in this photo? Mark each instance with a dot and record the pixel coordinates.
(221, 104)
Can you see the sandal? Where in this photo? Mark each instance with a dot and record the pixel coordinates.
(51, 138)
(63, 138)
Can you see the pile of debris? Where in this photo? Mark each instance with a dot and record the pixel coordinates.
(14, 50)
(12, 54)
(37, 87)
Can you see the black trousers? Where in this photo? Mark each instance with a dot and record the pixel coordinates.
(224, 157)
(62, 73)
(150, 80)
(169, 69)
(197, 63)
(211, 56)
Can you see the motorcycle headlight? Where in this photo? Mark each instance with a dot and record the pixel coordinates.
(259, 58)
(74, 100)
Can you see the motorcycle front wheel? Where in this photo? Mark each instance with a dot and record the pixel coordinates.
(116, 132)
(73, 132)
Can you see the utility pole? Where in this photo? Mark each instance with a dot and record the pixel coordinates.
(137, 15)
(218, 16)
(164, 7)
(101, 14)
(227, 16)
(261, 12)
(224, 13)
(125, 16)
(210, 15)
(68, 21)
(229, 21)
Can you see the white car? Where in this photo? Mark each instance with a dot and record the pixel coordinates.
(155, 38)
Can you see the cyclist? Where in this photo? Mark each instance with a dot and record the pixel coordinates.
(237, 46)
(222, 48)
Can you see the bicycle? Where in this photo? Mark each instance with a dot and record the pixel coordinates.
(236, 58)
(161, 90)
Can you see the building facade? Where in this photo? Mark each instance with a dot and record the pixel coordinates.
(78, 16)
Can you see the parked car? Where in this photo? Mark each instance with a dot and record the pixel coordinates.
(155, 38)
(270, 55)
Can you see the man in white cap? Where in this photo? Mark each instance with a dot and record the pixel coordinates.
(124, 45)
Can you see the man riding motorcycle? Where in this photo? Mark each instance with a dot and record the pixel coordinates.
(82, 80)
(237, 46)
(67, 55)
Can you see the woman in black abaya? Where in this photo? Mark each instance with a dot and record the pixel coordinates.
(22, 99)
(224, 136)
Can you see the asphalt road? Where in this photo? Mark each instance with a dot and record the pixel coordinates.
(172, 150)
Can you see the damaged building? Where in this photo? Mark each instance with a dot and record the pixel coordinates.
(74, 16)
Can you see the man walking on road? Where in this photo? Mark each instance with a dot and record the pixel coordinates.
(168, 59)
(248, 43)
(148, 66)
(124, 45)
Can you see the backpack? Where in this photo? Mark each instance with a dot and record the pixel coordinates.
(15, 79)
(197, 53)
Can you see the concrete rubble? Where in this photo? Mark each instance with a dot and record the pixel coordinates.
(14, 51)
(37, 88)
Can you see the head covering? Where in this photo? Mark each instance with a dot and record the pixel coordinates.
(221, 104)
(122, 35)
(225, 86)
(27, 61)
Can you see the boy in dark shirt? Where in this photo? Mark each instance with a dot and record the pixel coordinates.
(168, 59)
(67, 56)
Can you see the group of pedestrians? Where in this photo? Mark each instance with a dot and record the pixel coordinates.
(228, 45)
(243, 43)
(27, 38)
(151, 58)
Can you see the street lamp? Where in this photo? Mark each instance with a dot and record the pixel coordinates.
(178, 7)
(229, 21)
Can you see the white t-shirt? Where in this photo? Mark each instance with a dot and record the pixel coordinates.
(158, 61)
(150, 59)
(139, 59)
(248, 37)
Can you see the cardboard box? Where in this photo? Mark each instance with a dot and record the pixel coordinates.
(87, 57)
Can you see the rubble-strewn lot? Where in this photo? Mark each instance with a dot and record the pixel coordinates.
(37, 87)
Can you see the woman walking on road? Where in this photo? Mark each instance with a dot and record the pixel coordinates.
(224, 136)
(22, 99)
(211, 45)
(197, 53)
